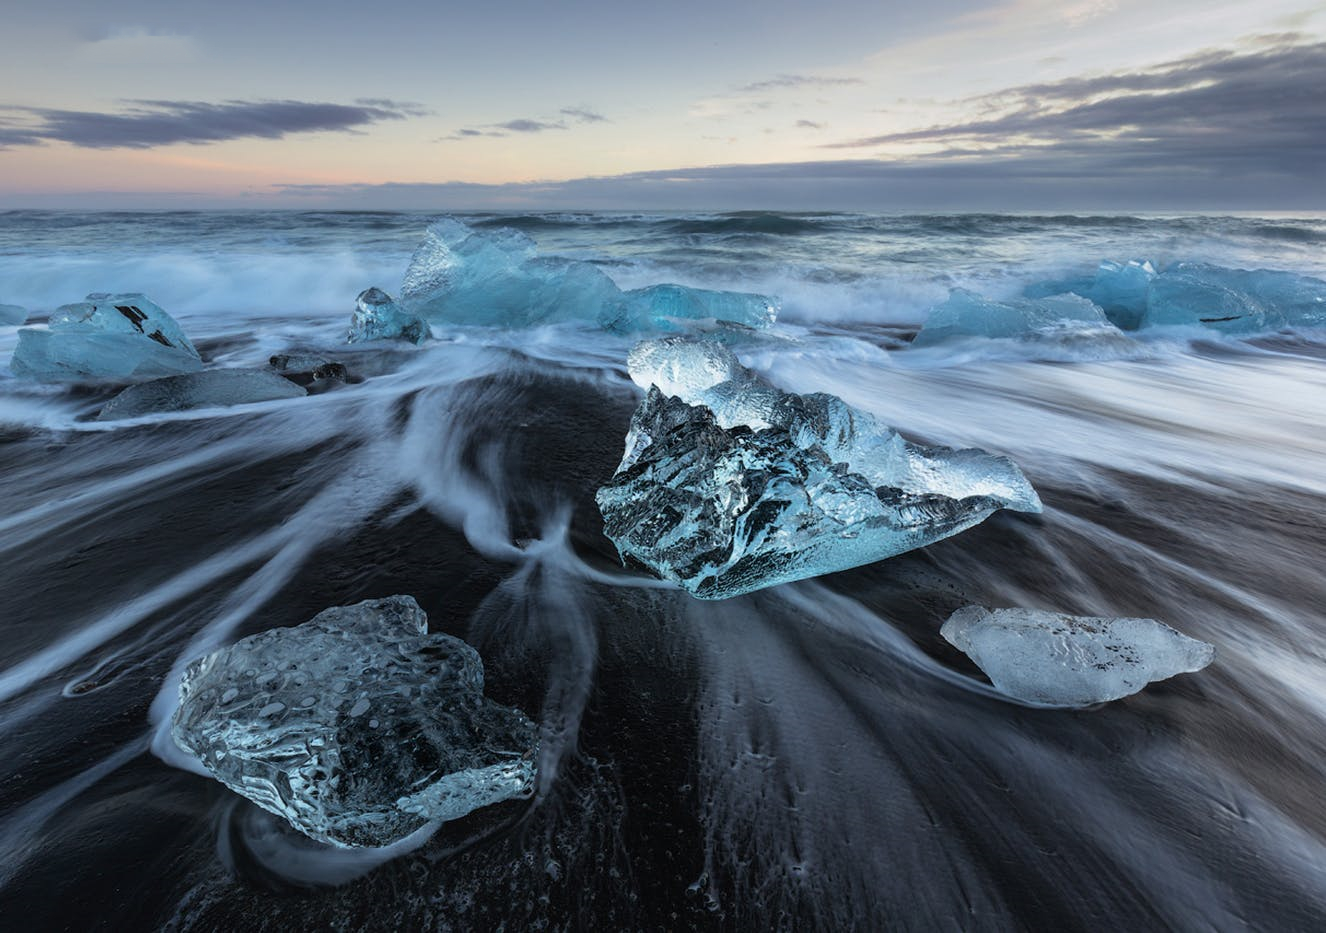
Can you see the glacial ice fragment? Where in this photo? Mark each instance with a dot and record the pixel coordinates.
(123, 336)
(1120, 288)
(1235, 300)
(12, 314)
(309, 370)
(1056, 325)
(378, 317)
(460, 275)
(735, 485)
(358, 727)
(1047, 657)
(215, 388)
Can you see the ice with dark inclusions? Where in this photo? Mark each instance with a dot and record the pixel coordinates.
(497, 278)
(118, 337)
(1060, 660)
(358, 726)
(730, 484)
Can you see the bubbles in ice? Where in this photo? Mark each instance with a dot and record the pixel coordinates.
(1048, 657)
(122, 336)
(218, 387)
(358, 727)
(378, 317)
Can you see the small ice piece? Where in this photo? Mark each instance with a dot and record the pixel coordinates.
(399, 733)
(966, 314)
(738, 485)
(12, 314)
(215, 388)
(670, 307)
(497, 278)
(309, 370)
(378, 317)
(122, 336)
(1060, 660)
(1235, 300)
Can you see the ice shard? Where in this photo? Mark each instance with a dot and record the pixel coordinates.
(122, 336)
(1056, 325)
(736, 485)
(1120, 288)
(358, 727)
(12, 314)
(215, 388)
(1235, 300)
(378, 317)
(460, 275)
(1060, 660)
(309, 370)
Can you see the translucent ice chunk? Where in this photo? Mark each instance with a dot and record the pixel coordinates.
(199, 390)
(12, 314)
(358, 727)
(1234, 300)
(459, 275)
(378, 317)
(1120, 288)
(1046, 657)
(967, 314)
(308, 369)
(123, 336)
(681, 366)
(751, 486)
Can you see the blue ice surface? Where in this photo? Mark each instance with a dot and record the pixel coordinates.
(12, 314)
(123, 337)
(377, 316)
(967, 314)
(1236, 301)
(729, 484)
(459, 275)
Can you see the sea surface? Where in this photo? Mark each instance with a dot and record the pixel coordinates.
(809, 756)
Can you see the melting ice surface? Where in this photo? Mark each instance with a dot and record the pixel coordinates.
(378, 317)
(732, 484)
(1047, 657)
(200, 390)
(1066, 322)
(1134, 295)
(459, 275)
(358, 727)
(123, 336)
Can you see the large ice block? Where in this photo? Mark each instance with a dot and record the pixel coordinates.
(218, 387)
(122, 336)
(358, 727)
(1061, 660)
(1058, 318)
(12, 314)
(736, 485)
(377, 316)
(460, 275)
(1120, 288)
(1235, 300)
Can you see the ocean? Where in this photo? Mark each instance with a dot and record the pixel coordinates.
(808, 756)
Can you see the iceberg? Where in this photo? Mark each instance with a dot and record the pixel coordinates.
(734, 485)
(122, 336)
(378, 317)
(463, 276)
(12, 314)
(218, 387)
(1065, 321)
(358, 726)
(1060, 660)
(1120, 288)
(1235, 300)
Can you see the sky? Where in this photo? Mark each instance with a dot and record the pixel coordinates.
(584, 104)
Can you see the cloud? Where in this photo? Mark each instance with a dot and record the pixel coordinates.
(780, 82)
(583, 115)
(809, 125)
(1219, 112)
(527, 125)
(145, 124)
(130, 45)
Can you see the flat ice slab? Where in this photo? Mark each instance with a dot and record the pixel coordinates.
(218, 387)
(1061, 660)
(358, 727)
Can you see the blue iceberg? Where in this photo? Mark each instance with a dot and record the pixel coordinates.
(1235, 300)
(1059, 660)
(12, 314)
(358, 727)
(1065, 324)
(120, 337)
(459, 275)
(378, 317)
(734, 485)
(1120, 288)
(218, 387)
